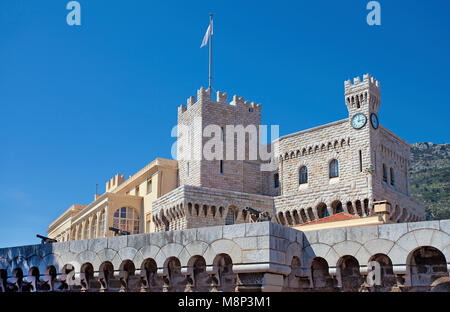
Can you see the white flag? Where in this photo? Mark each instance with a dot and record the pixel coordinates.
(206, 37)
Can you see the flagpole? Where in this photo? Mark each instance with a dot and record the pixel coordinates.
(210, 51)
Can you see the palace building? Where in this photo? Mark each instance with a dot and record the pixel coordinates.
(350, 172)
(329, 211)
(126, 204)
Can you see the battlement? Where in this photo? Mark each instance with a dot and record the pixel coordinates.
(221, 98)
(368, 81)
(114, 182)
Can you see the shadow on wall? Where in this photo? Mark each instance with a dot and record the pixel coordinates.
(197, 276)
(425, 270)
(317, 261)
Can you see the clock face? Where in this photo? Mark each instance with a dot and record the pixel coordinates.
(374, 120)
(359, 121)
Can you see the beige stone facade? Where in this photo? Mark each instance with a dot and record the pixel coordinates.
(135, 194)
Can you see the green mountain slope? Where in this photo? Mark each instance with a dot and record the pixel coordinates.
(430, 178)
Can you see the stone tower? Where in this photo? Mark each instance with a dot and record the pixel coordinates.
(363, 99)
(362, 96)
(235, 175)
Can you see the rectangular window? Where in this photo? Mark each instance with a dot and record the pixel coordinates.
(303, 175)
(221, 166)
(334, 169)
(276, 180)
(392, 177)
(187, 168)
(149, 186)
(384, 173)
(360, 161)
(229, 219)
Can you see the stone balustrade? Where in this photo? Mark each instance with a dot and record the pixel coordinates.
(261, 256)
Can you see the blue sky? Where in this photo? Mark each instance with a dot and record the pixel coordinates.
(81, 103)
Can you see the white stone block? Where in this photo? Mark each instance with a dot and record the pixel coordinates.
(127, 253)
(362, 234)
(149, 251)
(392, 232)
(234, 231)
(209, 234)
(332, 236)
(117, 242)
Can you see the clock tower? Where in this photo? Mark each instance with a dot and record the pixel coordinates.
(362, 96)
(362, 99)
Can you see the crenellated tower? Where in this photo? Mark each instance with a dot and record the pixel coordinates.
(242, 175)
(362, 99)
(362, 96)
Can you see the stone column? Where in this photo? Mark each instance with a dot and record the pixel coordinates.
(106, 225)
(316, 215)
(330, 209)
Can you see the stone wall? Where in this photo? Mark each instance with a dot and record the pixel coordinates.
(237, 175)
(252, 256)
(192, 207)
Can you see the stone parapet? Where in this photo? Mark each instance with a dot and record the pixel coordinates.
(261, 256)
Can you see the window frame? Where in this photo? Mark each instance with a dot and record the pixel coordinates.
(385, 174)
(149, 182)
(333, 169)
(392, 176)
(123, 217)
(276, 180)
(303, 175)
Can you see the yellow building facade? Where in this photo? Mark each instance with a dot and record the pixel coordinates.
(126, 205)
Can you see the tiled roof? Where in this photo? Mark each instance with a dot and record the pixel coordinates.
(341, 216)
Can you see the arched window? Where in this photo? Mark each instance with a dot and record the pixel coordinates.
(303, 175)
(231, 216)
(392, 176)
(79, 232)
(334, 168)
(126, 219)
(101, 224)
(86, 230)
(322, 210)
(94, 227)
